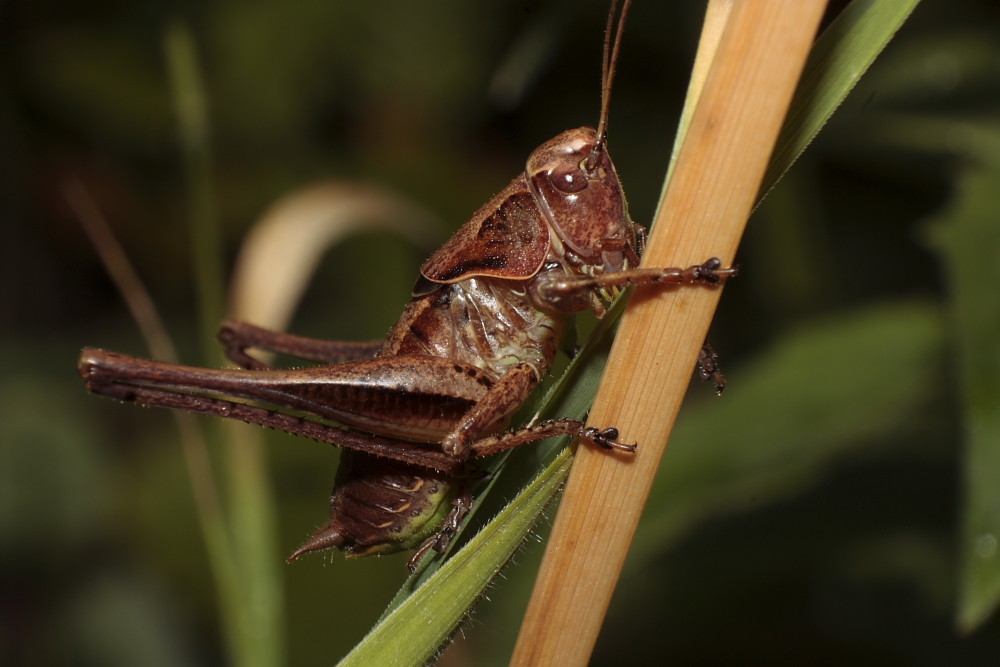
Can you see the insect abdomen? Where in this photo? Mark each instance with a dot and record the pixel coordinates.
(379, 506)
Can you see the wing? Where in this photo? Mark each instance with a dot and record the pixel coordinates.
(506, 238)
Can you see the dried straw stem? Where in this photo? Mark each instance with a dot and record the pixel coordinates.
(753, 72)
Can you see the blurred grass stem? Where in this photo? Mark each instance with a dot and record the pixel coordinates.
(241, 549)
(192, 116)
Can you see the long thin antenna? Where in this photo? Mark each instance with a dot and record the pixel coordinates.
(609, 64)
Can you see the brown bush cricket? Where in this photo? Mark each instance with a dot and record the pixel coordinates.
(480, 333)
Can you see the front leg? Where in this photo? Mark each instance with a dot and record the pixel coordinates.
(570, 293)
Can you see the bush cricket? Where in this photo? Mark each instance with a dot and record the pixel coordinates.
(481, 331)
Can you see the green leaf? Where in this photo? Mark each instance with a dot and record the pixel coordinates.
(841, 56)
(968, 238)
(865, 373)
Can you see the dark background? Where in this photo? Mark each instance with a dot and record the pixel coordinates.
(850, 557)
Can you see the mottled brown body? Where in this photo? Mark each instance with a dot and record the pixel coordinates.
(479, 334)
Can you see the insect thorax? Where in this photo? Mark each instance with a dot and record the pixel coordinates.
(483, 322)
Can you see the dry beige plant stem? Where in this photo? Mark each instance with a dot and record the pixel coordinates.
(714, 186)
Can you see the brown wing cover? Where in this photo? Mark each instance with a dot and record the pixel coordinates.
(506, 238)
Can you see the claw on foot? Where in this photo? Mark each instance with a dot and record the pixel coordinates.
(708, 369)
(607, 439)
(711, 272)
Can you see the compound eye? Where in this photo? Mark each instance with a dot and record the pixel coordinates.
(568, 179)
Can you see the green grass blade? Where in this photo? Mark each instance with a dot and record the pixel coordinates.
(968, 237)
(192, 115)
(841, 56)
(242, 546)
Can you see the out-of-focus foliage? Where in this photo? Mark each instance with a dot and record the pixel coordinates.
(860, 342)
(967, 236)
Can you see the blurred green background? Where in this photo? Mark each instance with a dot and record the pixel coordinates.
(812, 516)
